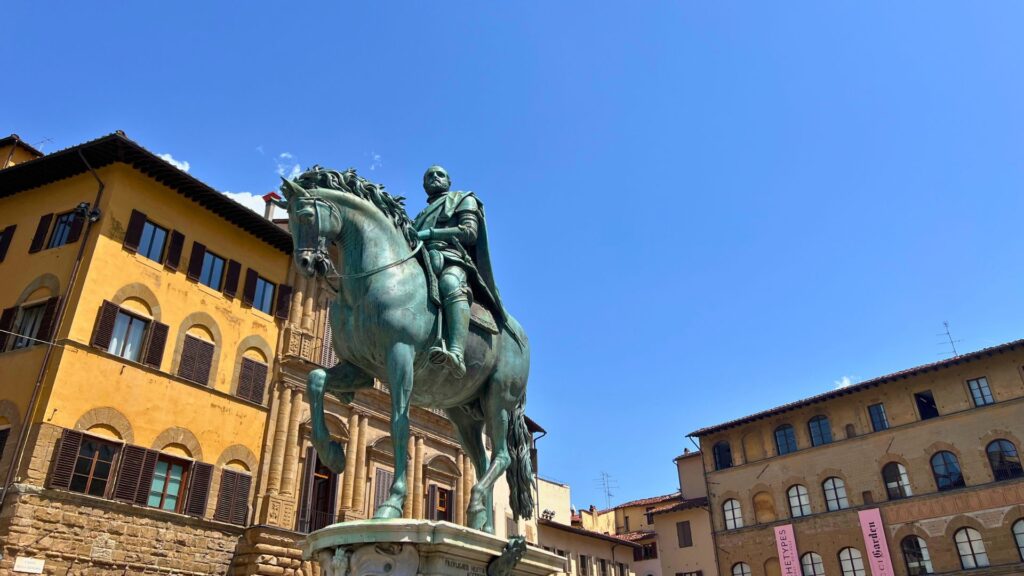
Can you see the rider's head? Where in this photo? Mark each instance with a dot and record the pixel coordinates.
(435, 180)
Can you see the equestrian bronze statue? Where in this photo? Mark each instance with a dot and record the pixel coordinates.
(417, 308)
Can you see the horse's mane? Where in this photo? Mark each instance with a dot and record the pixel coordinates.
(350, 183)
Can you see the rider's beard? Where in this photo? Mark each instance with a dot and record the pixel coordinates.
(435, 189)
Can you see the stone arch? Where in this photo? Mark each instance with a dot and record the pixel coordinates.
(442, 464)
(254, 341)
(764, 508)
(753, 447)
(142, 292)
(47, 281)
(239, 453)
(199, 318)
(772, 567)
(182, 436)
(110, 417)
(383, 450)
(336, 425)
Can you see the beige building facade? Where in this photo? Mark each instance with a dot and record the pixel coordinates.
(933, 451)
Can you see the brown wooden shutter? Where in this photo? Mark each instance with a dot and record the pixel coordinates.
(173, 257)
(259, 382)
(199, 489)
(40, 236)
(683, 534)
(306, 501)
(231, 279)
(46, 323)
(432, 502)
(249, 291)
(195, 261)
(225, 495)
(5, 240)
(6, 324)
(75, 232)
(104, 329)
(240, 509)
(382, 487)
(284, 302)
(204, 361)
(146, 478)
(155, 347)
(196, 360)
(129, 473)
(67, 454)
(133, 235)
(245, 379)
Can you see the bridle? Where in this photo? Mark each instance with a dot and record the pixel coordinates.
(322, 263)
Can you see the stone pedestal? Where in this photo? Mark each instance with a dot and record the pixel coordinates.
(406, 547)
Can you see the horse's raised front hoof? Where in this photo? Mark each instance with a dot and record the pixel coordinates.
(388, 511)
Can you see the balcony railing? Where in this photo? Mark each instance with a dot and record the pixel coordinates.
(313, 520)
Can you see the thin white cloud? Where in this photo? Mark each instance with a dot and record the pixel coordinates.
(376, 161)
(251, 201)
(260, 149)
(179, 164)
(844, 382)
(286, 168)
(286, 155)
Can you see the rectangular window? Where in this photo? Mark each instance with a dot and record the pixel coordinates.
(443, 509)
(152, 242)
(626, 521)
(622, 569)
(212, 273)
(93, 467)
(684, 535)
(28, 326)
(980, 391)
(926, 405)
(4, 433)
(511, 527)
(166, 489)
(647, 551)
(879, 421)
(126, 340)
(604, 566)
(584, 565)
(648, 516)
(264, 298)
(61, 230)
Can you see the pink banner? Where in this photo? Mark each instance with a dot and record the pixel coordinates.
(785, 543)
(874, 542)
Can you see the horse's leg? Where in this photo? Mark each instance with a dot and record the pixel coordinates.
(471, 435)
(400, 378)
(342, 380)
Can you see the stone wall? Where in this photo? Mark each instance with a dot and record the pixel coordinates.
(79, 534)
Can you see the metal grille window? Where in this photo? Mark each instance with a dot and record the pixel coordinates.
(785, 439)
(812, 565)
(980, 391)
(947, 471)
(851, 562)
(733, 514)
(835, 494)
(740, 569)
(897, 483)
(821, 430)
(970, 548)
(915, 555)
(879, 421)
(1004, 460)
(799, 501)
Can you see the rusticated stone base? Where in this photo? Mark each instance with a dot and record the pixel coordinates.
(405, 547)
(271, 551)
(77, 534)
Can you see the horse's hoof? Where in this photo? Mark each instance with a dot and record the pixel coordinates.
(388, 512)
(478, 520)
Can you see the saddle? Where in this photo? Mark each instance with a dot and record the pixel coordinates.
(482, 317)
(478, 314)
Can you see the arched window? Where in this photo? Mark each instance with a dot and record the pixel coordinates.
(821, 430)
(723, 455)
(915, 554)
(733, 514)
(947, 471)
(851, 562)
(1004, 460)
(799, 501)
(897, 483)
(1018, 535)
(785, 439)
(812, 564)
(740, 569)
(835, 494)
(971, 548)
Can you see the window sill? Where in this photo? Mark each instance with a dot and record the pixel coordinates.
(210, 291)
(261, 314)
(147, 262)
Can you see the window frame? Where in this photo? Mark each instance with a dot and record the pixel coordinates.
(182, 495)
(951, 477)
(922, 563)
(741, 569)
(732, 512)
(1017, 530)
(146, 253)
(816, 564)
(821, 434)
(721, 463)
(132, 318)
(902, 481)
(63, 223)
(790, 436)
(981, 392)
(206, 276)
(999, 470)
(851, 565)
(836, 498)
(263, 283)
(113, 463)
(926, 395)
(802, 503)
(19, 338)
(976, 547)
(882, 421)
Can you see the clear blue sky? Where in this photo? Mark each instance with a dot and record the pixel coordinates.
(698, 210)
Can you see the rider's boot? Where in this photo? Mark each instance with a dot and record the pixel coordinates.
(456, 329)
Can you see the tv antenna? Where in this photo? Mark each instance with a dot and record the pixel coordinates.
(607, 483)
(42, 143)
(949, 339)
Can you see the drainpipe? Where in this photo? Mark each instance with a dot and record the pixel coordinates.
(90, 216)
(711, 513)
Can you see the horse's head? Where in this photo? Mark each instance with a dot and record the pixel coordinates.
(314, 222)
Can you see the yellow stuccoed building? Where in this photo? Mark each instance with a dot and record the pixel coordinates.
(141, 311)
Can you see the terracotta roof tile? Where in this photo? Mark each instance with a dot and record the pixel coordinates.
(636, 535)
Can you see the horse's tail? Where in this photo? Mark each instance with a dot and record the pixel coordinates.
(519, 474)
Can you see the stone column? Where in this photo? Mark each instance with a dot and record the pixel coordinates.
(291, 452)
(297, 293)
(409, 477)
(284, 402)
(460, 494)
(359, 483)
(350, 460)
(308, 317)
(468, 479)
(417, 483)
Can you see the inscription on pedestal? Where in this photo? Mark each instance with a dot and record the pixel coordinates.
(460, 568)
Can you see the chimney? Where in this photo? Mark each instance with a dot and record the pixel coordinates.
(268, 213)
